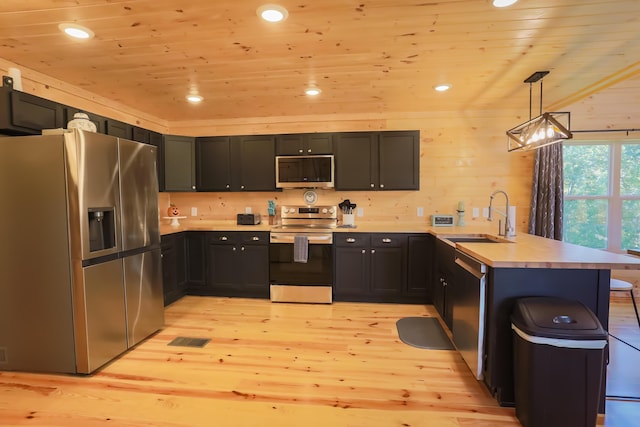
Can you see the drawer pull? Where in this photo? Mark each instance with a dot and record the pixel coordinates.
(255, 238)
(351, 240)
(386, 240)
(223, 238)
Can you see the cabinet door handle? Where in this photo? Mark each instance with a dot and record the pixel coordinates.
(373, 251)
(242, 187)
(386, 240)
(373, 185)
(193, 187)
(351, 240)
(255, 238)
(441, 280)
(309, 150)
(242, 248)
(228, 186)
(381, 185)
(234, 248)
(364, 252)
(223, 238)
(300, 151)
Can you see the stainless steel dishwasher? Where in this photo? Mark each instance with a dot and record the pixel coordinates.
(469, 302)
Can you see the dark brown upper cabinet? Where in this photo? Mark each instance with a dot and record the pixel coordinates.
(301, 144)
(377, 160)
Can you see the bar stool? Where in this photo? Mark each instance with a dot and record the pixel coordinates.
(622, 286)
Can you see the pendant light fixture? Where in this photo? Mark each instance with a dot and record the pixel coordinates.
(546, 129)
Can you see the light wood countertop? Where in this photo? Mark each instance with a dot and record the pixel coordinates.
(524, 250)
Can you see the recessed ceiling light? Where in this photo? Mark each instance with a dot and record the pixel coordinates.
(272, 12)
(76, 31)
(194, 99)
(443, 87)
(312, 91)
(504, 3)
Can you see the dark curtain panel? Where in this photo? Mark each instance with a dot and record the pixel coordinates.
(545, 218)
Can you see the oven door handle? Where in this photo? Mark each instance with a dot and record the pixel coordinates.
(288, 238)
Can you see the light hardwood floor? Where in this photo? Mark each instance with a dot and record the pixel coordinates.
(272, 365)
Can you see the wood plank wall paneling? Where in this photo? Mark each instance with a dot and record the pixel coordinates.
(463, 153)
(49, 88)
(462, 158)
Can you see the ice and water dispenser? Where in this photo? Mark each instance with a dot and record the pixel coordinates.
(102, 229)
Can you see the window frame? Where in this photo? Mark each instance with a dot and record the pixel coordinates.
(614, 198)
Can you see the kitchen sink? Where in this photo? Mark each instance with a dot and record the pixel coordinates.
(476, 238)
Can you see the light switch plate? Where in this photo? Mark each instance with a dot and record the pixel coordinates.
(420, 211)
(360, 211)
(194, 211)
(476, 213)
(247, 210)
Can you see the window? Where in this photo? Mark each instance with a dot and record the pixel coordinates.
(602, 194)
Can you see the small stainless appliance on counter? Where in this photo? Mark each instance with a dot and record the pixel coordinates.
(301, 254)
(80, 272)
(248, 219)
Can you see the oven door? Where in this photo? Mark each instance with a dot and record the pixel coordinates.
(317, 271)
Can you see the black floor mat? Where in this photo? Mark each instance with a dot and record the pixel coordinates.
(423, 332)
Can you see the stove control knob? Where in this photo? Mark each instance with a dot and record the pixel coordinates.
(324, 210)
(332, 210)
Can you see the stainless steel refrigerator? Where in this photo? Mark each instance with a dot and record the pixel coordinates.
(80, 272)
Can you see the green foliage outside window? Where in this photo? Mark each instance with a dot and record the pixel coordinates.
(592, 197)
(586, 170)
(585, 222)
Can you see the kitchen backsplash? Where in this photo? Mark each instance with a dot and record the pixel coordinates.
(380, 206)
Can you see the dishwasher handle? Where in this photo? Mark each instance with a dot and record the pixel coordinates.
(470, 264)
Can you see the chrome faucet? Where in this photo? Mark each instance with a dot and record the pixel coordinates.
(507, 230)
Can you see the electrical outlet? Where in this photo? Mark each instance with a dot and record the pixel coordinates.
(476, 213)
(194, 211)
(485, 212)
(420, 211)
(360, 211)
(247, 210)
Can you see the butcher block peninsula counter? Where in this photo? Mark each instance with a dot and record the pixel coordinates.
(520, 266)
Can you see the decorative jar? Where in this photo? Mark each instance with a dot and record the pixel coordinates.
(81, 121)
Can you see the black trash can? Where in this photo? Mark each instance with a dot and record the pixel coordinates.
(558, 359)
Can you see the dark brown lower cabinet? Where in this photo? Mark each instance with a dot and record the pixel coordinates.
(237, 264)
(443, 281)
(381, 267)
(174, 272)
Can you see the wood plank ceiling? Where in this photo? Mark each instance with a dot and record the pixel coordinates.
(367, 56)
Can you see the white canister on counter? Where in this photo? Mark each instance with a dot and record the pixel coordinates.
(348, 220)
(81, 121)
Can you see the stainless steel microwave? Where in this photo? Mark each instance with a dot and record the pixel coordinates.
(314, 171)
